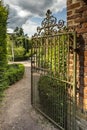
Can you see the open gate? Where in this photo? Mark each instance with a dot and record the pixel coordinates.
(53, 72)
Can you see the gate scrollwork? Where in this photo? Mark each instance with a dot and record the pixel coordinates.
(49, 25)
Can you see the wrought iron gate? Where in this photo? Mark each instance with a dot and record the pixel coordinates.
(53, 72)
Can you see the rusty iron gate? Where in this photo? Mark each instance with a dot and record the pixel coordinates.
(53, 72)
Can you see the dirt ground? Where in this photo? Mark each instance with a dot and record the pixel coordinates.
(16, 112)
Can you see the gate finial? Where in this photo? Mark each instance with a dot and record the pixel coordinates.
(48, 13)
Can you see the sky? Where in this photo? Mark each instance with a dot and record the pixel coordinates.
(28, 14)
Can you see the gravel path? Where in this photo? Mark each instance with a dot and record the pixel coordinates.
(16, 112)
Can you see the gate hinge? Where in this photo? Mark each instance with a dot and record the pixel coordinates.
(77, 50)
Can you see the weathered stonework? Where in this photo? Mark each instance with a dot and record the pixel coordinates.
(77, 20)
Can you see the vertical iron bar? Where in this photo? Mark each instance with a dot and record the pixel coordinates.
(59, 67)
(45, 55)
(48, 54)
(74, 85)
(54, 55)
(68, 58)
(58, 54)
(42, 53)
(51, 57)
(64, 71)
(36, 46)
(38, 55)
(31, 75)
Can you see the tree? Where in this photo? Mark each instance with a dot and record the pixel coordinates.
(3, 45)
(16, 31)
(21, 44)
(18, 36)
(19, 31)
(21, 39)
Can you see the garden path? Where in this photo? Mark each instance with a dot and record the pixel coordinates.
(16, 112)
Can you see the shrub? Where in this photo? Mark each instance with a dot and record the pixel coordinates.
(9, 57)
(21, 58)
(52, 95)
(14, 73)
(3, 51)
(19, 51)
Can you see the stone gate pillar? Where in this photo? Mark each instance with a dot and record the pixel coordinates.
(77, 19)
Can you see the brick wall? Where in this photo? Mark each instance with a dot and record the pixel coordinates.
(77, 15)
(77, 20)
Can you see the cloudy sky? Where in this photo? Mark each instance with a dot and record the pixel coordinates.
(28, 14)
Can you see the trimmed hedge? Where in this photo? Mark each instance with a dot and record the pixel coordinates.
(21, 58)
(53, 101)
(14, 73)
(3, 51)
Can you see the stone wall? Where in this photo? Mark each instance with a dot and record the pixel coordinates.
(77, 20)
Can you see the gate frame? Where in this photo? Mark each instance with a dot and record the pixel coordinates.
(45, 25)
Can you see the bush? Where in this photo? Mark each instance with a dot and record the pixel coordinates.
(19, 51)
(3, 51)
(21, 58)
(14, 73)
(52, 95)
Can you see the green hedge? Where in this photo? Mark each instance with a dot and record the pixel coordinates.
(3, 51)
(14, 73)
(52, 95)
(21, 58)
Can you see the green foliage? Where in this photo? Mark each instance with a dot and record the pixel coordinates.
(53, 98)
(9, 44)
(21, 58)
(19, 31)
(19, 51)
(3, 45)
(14, 73)
(9, 48)
(19, 54)
(53, 55)
(19, 44)
(3, 23)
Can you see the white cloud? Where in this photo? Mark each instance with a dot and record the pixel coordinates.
(22, 13)
(58, 5)
(30, 27)
(9, 30)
